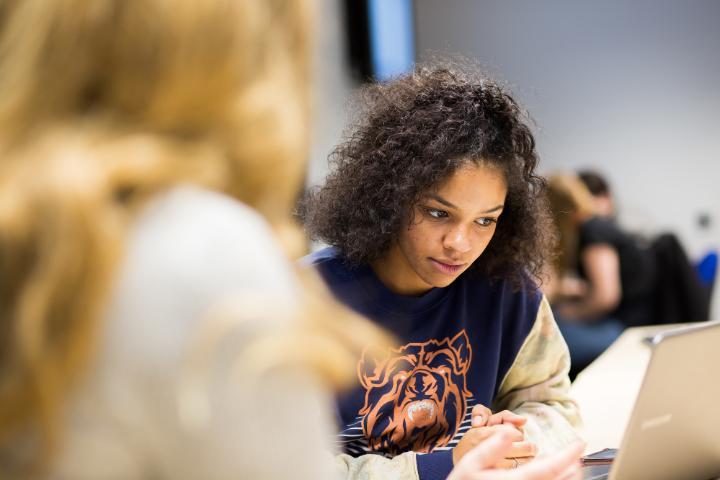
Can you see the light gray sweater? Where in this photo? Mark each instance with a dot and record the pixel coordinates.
(170, 395)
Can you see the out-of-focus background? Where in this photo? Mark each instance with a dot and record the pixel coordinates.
(631, 89)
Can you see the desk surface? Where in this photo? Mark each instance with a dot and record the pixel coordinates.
(606, 390)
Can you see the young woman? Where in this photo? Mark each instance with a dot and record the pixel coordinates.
(438, 230)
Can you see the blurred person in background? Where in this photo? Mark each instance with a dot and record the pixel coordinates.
(151, 325)
(603, 279)
(438, 230)
(679, 293)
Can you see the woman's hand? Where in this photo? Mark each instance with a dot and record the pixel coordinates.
(480, 462)
(485, 424)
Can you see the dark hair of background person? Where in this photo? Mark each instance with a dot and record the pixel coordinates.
(594, 182)
(412, 134)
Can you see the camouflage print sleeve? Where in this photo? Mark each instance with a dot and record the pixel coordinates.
(377, 467)
(537, 386)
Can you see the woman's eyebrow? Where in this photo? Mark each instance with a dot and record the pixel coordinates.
(494, 209)
(439, 199)
(448, 204)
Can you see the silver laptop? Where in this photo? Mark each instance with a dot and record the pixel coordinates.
(674, 429)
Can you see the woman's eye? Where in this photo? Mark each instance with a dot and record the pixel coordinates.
(485, 222)
(436, 213)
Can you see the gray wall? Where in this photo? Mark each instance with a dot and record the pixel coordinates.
(631, 88)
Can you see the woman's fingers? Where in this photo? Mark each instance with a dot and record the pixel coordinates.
(488, 453)
(483, 461)
(516, 436)
(522, 449)
(480, 415)
(506, 416)
(509, 463)
(562, 465)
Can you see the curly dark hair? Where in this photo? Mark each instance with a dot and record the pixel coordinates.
(414, 133)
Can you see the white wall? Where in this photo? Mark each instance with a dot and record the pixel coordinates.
(631, 88)
(332, 86)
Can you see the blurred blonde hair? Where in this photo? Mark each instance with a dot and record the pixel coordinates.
(571, 203)
(104, 103)
(231, 75)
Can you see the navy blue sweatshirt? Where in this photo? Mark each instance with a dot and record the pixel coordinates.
(455, 345)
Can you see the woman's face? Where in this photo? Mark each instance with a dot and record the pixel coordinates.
(451, 228)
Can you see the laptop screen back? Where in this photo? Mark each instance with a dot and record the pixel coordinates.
(674, 428)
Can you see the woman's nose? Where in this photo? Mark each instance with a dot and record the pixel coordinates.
(457, 239)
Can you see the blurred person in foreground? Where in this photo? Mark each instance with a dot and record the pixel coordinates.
(603, 279)
(438, 231)
(151, 324)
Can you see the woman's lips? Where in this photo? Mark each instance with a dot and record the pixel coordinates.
(447, 268)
